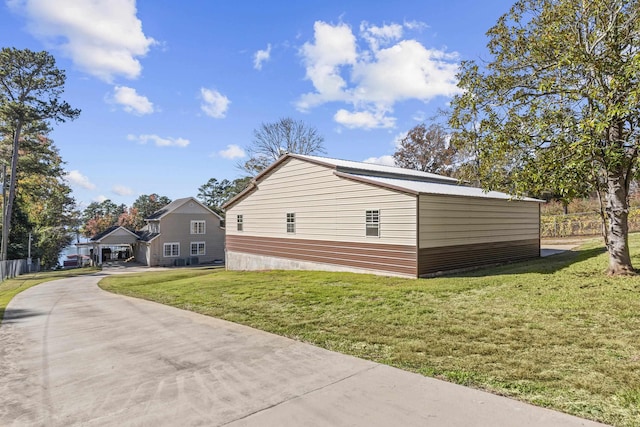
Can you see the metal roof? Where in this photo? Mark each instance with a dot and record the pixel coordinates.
(350, 166)
(424, 187)
(395, 178)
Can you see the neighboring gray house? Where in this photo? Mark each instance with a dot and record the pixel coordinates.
(317, 213)
(185, 232)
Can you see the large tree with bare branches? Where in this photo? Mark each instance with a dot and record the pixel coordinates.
(271, 140)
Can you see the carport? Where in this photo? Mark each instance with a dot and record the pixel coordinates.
(112, 244)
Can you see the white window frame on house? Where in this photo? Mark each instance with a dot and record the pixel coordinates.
(200, 248)
(291, 222)
(372, 223)
(198, 226)
(174, 249)
(239, 222)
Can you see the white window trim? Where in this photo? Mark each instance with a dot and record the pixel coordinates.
(367, 224)
(204, 248)
(240, 222)
(164, 249)
(198, 221)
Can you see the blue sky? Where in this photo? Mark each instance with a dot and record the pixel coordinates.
(171, 92)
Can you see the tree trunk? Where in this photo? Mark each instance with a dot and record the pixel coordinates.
(603, 217)
(618, 228)
(6, 221)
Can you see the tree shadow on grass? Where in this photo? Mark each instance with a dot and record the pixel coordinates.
(8, 315)
(547, 265)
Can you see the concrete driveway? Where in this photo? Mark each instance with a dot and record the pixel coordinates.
(72, 354)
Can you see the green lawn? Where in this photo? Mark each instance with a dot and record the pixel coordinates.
(11, 287)
(555, 332)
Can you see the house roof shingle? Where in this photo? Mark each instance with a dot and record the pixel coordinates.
(106, 232)
(146, 236)
(175, 205)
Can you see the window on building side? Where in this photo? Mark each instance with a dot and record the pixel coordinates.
(239, 222)
(171, 249)
(291, 223)
(198, 227)
(373, 223)
(198, 248)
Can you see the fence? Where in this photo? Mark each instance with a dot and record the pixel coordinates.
(580, 224)
(12, 268)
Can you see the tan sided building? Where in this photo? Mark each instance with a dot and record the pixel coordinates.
(185, 232)
(316, 213)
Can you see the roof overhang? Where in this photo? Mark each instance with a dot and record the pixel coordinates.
(101, 238)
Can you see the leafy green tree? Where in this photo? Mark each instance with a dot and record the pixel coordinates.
(30, 90)
(43, 206)
(145, 205)
(558, 105)
(215, 193)
(148, 204)
(237, 186)
(271, 140)
(99, 216)
(426, 149)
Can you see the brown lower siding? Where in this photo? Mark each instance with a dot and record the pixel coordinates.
(398, 259)
(433, 260)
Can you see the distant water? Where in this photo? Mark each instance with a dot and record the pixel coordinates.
(73, 250)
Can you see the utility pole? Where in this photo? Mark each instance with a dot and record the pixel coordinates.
(5, 236)
(29, 255)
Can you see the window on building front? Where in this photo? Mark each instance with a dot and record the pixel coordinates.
(198, 248)
(373, 223)
(198, 227)
(172, 249)
(154, 227)
(291, 223)
(239, 222)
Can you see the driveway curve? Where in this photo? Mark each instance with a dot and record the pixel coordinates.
(72, 354)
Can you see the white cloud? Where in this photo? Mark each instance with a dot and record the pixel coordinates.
(103, 38)
(387, 70)
(419, 116)
(364, 119)
(397, 140)
(232, 152)
(214, 104)
(415, 25)
(131, 101)
(261, 56)
(377, 36)
(101, 198)
(334, 47)
(121, 190)
(74, 177)
(382, 160)
(159, 141)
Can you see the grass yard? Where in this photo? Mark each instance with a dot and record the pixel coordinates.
(555, 332)
(12, 287)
